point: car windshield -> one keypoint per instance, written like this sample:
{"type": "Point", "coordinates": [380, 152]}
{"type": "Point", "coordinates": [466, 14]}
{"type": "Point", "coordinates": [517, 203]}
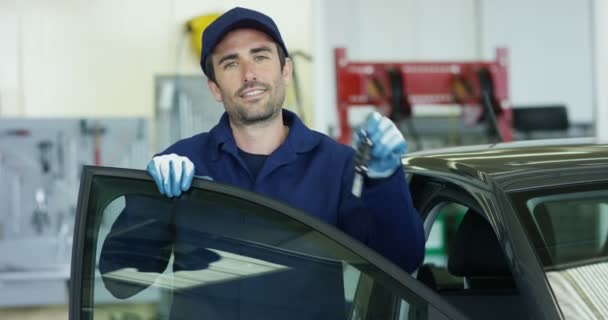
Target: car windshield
{"type": "Point", "coordinates": [568, 227]}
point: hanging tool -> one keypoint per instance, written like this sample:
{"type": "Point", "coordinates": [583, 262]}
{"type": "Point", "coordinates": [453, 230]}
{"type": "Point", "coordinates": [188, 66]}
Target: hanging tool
{"type": "Point", "coordinates": [400, 105]}
{"type": "Point", "coordinates": [95, 132]}
{"type": "Point", "coordinates": [296, 82]}
{"type": "Point", "coordinates": [488, 101]}
{"type": "Point", "coordinates": [401, 108]}
{"type": "Point", "coordinates": [23, 133]}
{"type": "Point", "coordinates": [44, 147]}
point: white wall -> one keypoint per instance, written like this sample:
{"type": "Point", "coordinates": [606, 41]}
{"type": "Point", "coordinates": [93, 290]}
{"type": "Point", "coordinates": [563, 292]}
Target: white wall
{"type": "Point", "coordinates": [550, 46]}
{"type": "Point", "coordinates": [98, 58]}
{"type": "Point", "coordinates": [414, 30]}
{"type": "Point", "coordinates": [396, 30]}
{"type": "Point", "coordinates": [600, 10]}
{"type": "Point", "coordinates": [10, 95]}
{"type": "Point", "coordinates": [549, 43]}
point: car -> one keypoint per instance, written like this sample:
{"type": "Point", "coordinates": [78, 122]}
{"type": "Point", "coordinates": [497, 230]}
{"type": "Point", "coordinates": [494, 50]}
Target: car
{"type": "Point", "coordinates": [291, 265]}
{"type": "Point", "coordinates": [516, 230]}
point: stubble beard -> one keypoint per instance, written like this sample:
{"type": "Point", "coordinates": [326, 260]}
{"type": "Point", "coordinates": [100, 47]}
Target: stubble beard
{"type": "Point", "coordinates": [244, 115]}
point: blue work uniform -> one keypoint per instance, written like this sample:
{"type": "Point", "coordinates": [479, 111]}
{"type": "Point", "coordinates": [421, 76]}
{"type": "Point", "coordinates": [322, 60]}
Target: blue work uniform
{"type": "Point", "coordinates": [314, 173]}
{"type": "Point", "coordinates": [311, 172]}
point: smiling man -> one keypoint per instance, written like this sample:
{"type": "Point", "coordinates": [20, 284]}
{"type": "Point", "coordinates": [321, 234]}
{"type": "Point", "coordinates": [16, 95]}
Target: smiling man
{"type": "Point", "coordinates": [259, 146]}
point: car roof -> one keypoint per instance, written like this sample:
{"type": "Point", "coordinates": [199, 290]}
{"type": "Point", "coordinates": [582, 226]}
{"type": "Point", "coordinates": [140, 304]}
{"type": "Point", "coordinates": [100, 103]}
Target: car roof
{"type": "Point", "coordinates": [506, 162]}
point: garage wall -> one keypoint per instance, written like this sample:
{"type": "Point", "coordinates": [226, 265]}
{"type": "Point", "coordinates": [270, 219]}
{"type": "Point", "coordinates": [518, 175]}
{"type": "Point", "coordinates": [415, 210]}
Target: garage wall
{"type": "Point", "coordinates": [386, 30]}
{"type": "Point", "coordinates": [9, 58]}
{"type": "Point", "coordinates": [600, 20]}
{"type": "Point", "coordinates": [98, 58]}
{"type": "Point", "coordinates": [549, 43]}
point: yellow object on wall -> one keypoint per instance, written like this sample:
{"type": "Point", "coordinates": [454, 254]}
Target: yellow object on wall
{"type": "Point", "coordinates": [196, 26]}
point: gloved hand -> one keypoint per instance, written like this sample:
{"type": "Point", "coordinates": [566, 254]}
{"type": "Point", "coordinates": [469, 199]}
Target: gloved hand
{"type": "Point", "coordinates": [172, 173]}
{"type": "Point", "coordinates": [388, 146]}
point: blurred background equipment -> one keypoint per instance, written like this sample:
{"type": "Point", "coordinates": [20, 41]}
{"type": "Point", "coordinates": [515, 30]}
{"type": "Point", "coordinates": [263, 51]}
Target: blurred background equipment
{"type": "Point", "coordinates": [195, 28]}
{"type": "Point", "coordinates": [549, 121]}
{"type": "Point", "coordinates": [184, 107]}
{"type": "Point", "coordinates": [295, 89]}
{"type": "Point", "coordinates": [40, 165]}
{"type": "Point", "coordinates": [401, 90]}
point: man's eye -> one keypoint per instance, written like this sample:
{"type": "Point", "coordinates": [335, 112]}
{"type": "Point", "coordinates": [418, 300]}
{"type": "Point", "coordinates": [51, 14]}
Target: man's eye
{"type": "Point", "coordinates": [230, 65]}
{"type": "Point", "coordinates": [261, 58]}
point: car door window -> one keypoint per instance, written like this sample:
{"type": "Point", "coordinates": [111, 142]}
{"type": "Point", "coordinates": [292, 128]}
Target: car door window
{"type": "Point", "coordinates": [442, 230]}
{"type": "Point", "coordinates": [218, 252]}
{"type": "Point", "coordinates": [465, 263]}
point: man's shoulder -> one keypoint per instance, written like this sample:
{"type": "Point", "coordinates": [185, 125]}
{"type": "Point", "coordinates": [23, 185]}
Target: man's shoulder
{"type": "Point", "coordinates": [329, 144]}
{"type": "Point", "coordinates": [330, 149]}
{"type": "Point", "coordinates": [186, 146]}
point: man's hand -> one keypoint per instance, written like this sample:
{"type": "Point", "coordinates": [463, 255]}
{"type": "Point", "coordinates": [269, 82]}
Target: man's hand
{"type": "Point", "coordinates": [172, 173]}
{"type": "Point", "coordinates": [388, 146]}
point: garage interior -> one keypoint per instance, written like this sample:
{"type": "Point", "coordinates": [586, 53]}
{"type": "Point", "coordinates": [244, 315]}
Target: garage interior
{"type": "Point", "coordinates": [111, 83]}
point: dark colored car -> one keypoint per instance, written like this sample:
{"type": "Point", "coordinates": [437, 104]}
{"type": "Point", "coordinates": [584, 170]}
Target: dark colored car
{"type": "Point", "coordinates": [516, 230]}
{"type": "Point", "coordinates": [262, 259]}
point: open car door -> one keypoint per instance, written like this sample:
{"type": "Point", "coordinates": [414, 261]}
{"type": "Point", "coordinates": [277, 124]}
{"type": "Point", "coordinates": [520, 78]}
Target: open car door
{"type": "Point", "coordinates": [219, 252]}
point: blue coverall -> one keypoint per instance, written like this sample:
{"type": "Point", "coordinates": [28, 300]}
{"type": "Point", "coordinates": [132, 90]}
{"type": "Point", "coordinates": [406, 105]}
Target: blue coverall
{"type": "Point", "coordinates": [311, 172]}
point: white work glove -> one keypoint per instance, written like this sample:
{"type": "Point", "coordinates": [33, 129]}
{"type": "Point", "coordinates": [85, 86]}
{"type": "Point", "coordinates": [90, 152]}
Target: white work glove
{"type": "Point", "coordinates": [173, 174]}
{"type": "Point", "coordinates": [388, 146]}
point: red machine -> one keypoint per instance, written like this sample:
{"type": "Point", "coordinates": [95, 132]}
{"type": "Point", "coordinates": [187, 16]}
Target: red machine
{"type": "Point", "coordinates": [394, 88]}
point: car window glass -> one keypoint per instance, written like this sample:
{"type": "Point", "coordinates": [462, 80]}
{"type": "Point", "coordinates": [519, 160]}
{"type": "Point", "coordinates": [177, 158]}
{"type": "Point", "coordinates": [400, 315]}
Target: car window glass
{"type": "Point", "coordinates": [568, 227]}
{"type": "Point", "coordinates": [212, 255]}
{"type": "Point", "coordinates": [572, 225]}
{"type": "Point", "coordinates": [438, 245]}
{"type": "Point", "coordinates": [466, 264]}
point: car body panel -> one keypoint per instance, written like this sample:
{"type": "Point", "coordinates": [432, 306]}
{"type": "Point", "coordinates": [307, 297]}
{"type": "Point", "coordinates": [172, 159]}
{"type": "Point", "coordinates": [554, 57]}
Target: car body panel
{"type": "Point", "coordinates": [489, 173]}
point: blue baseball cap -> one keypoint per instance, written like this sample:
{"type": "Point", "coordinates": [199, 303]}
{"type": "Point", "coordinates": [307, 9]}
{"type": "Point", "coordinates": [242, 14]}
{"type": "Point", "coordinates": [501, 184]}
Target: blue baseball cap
{"type": "Point", "coordinates": [237, 18]}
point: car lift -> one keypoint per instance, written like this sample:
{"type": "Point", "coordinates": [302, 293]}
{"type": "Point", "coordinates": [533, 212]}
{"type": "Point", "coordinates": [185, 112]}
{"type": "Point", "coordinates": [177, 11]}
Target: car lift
{"type": "Point", "coordinates": [394, 87]}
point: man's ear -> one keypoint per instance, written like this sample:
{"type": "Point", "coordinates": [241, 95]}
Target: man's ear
{"type": "Point", "coordinates": [287, 71]}
{"type": "Point", "coordinates": [215, 90]}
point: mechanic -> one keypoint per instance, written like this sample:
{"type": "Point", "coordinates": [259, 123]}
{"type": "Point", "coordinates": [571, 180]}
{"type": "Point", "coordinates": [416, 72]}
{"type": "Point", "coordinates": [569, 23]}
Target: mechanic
{"type": "Point", "coordinates": [259, 146]}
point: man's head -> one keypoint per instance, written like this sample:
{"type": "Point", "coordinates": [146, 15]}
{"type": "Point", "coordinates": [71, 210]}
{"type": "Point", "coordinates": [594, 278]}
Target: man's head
{"type": "Point", "coordinates": [247, 65]}
{"type": "Point", "coordinates": [237, 18]}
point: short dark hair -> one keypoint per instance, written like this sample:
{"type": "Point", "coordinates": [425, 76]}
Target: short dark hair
{"type": "Point", "coordinates": [211, 71]}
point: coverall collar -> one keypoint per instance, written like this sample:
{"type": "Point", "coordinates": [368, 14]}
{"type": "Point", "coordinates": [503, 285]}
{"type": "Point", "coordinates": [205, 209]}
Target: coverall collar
{"type": "Point", "coordinates": [300, 139]}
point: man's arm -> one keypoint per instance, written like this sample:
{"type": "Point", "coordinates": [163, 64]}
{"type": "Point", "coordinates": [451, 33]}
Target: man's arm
{"type": "Point", "coordinates": [397, 230]}
{"type": "Point", "coordinates": [384, 218]}
{"type": "Point", "coordinates": [393, 227]}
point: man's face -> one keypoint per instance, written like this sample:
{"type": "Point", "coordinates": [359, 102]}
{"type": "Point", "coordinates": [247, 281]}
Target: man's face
{"type": "Point", "coordinates": [250, 82]}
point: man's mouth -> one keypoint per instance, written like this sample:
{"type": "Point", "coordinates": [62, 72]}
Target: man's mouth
{"type": "Point", "coordinates": [253, 93]}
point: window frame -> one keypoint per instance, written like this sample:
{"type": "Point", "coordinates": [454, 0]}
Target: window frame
{"type": "Point", "coordinates": [434, 189]}
{"type": "Point", "coordinates": [520, 198]}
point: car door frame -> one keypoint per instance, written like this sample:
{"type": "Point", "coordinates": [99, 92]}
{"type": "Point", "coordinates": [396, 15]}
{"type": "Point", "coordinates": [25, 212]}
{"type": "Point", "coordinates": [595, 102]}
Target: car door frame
{"type": "Point", "coordinates": [437, 306]}
{"type": "Point", "coordinates": [526, 267]}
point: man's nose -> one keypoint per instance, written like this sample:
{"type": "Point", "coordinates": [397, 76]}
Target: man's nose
{"type": "Point", "coordinates": [249, 72]}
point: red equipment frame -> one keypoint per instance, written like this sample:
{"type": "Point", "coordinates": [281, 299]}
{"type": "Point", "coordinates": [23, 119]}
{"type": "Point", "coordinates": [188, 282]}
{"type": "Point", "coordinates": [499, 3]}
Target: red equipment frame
{"type": "Point", "coordinates": [423, 83]}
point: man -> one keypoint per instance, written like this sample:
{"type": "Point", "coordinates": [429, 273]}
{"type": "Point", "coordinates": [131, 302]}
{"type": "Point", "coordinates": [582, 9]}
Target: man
{"type": "Point", "coordinates": [259, 146]}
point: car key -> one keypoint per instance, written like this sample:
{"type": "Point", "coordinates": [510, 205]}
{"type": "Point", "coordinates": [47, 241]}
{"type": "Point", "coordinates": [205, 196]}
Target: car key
{"type": "Point", "coordinates": [364, 148]}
